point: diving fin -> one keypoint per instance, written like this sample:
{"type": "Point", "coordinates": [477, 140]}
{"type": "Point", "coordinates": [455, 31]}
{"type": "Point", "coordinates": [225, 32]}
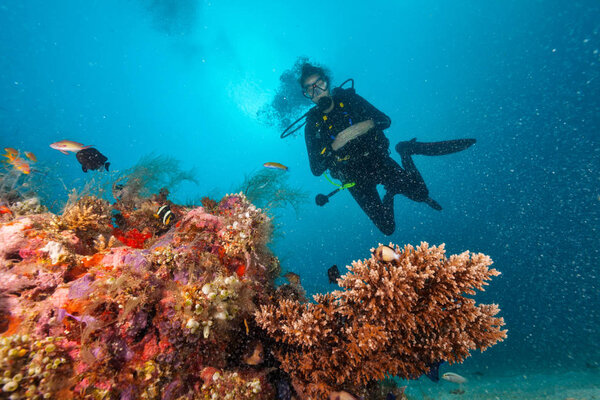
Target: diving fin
{"type": "Point", "coordinates": [434, 148]}
{"type": "Point", "coordinates": [433, 204]}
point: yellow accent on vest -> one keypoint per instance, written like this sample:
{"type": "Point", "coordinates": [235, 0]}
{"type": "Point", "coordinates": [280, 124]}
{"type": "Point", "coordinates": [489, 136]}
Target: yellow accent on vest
{"type": "Point", "coordinates": [341, 105]}
{"type": "Point", "coordinates": [324, 117]}
{"type": "Point", "coordinates": [330, 126]}
{"type": "Point", "coordinates": [324, 150]}
{"type": "Point", "coordinates": [342, 159]}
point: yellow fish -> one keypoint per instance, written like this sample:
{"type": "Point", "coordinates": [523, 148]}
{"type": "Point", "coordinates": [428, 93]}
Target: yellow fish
{"type": "Point", "coordinates": [275, 165]}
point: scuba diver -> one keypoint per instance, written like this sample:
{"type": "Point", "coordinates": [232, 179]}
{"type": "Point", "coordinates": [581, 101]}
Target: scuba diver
{"type": "Point", "coordinates": [344, 134]}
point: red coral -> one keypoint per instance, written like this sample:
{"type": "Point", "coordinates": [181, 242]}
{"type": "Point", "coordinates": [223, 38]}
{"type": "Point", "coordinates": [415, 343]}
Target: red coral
{"type": "Point", "coordinates": [132, 238]}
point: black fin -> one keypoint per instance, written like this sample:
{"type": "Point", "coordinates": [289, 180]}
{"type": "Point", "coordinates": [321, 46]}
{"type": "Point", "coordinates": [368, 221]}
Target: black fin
{"type": "Point", "coordinates": [433, 204]}
{"type": "Point", "coordinates": [106, 165]}
{"type": "Point", "coordinates": [434, 148]}
{"type": "Point", "coordinates": [84, 168]}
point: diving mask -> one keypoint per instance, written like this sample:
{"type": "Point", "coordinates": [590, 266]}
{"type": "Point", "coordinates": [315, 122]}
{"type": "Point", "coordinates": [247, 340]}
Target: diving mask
{"type": "Point", "coordinates": [310, 90]}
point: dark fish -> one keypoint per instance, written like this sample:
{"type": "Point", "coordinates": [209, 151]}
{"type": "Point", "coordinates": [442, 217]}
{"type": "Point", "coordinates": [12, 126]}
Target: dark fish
{"type": "Point", "coordinates": [434, 371]}
{"type": "Point", "coordinates": [92, 159]}
{"type": "Point", "coordinates": [165, 214]}
{"type": "Point", "coordinates": [334, 274]}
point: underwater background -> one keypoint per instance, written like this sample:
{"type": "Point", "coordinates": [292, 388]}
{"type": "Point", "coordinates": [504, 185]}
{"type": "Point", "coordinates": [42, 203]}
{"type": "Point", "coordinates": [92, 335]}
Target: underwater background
{"type": "Point", "coordinates": [188, 79]}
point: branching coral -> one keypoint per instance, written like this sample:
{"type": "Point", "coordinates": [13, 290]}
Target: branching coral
{"type": "Point", "coordinates": [395, 318]}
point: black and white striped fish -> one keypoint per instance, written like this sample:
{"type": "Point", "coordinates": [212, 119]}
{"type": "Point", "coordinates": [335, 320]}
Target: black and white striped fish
{"type": "Point", "coordinates": [165, 214]}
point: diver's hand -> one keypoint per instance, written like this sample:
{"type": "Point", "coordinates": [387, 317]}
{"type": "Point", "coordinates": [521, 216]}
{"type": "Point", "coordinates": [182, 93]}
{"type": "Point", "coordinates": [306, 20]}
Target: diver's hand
{"type": "Point", "coordinates": [352, 132]}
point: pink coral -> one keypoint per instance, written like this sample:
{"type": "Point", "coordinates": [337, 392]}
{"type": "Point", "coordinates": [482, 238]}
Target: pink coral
{"type": "Point", "coordinates": [13, 238]}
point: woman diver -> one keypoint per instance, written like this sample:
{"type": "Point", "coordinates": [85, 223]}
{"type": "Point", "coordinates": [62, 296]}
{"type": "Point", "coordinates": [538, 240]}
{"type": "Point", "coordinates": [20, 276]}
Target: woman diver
{"type": "Point", "coordinates": [344, 134]}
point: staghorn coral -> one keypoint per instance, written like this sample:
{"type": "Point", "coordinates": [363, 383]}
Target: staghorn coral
{"type": "Point", "coordinates": [393, 318]}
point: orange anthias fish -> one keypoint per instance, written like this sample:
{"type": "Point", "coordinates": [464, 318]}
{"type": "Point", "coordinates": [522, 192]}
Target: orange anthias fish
{"type": "Point", "coordinates": [31, 156]}
{"type": "Point", "coordinates": [20, 165]}
{"type": "Point", "coordinates": [5, 210]}
{"type": "Point", "coordinates": [64, 146]}
{"type": "Point", "coordinates": [11, 155]}
{"type": "Point", "coordinates": [275, 165]}
{"type": "Point", "coordinates": [10, 151]}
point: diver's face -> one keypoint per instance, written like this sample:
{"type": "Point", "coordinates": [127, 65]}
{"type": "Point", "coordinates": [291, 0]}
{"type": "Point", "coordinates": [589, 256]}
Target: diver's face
{"type": "Point", "coordinates": [315, 87]}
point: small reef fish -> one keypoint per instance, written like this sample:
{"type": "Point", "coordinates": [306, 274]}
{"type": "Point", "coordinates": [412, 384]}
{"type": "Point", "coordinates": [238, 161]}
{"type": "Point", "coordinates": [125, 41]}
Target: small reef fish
{"type": "Point", "coordinates": [257, 355]}
{"type": "Point", "coordinates": [20, 165]}
{"type": "Point", "coordinates": [334, 274]}
{"type": "Point", "coordinates": [452, 377]}
{"type": "Point", "coordinates": [385, 253]}
{"type": "Point", "coordinates": [31, 156]}
{"type": "Point", "coordinates": [11, 152]}
{"type": "Point", "coordinates": [292, 278]}
{"type": "Point", "coordinates": [165, 214]}
{"type": "Point", "coordinates": [91, 159]}
{"type": "Point", "coordinates": [68, 145]}
{"type": "Point", "coordinates": [275, 165]}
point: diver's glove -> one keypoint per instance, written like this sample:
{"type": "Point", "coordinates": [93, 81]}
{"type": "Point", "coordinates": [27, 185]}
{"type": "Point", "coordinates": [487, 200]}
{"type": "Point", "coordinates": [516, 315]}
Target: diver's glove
{"type": "Point", "coordinates": [327, 157]}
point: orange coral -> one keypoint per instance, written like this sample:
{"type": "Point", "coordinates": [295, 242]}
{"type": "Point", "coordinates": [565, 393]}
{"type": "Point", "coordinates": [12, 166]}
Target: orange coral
{"type": "Point", "coordinates": [393, 318]}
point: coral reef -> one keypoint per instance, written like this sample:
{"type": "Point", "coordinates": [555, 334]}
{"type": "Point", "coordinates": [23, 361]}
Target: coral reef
{"type": "Point", "coordinates": [86, 217]}
{"type": "Point", "coordinates": [110, 301]}
{"type": "Point", "coordinates": [395, 317]}
{"type": "Point", "coordinates": [133, 321]}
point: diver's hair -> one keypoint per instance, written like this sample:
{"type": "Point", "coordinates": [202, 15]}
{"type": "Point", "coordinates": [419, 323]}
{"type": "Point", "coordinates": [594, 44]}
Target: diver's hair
{"type": "Point", "coordinates": [309, 70]}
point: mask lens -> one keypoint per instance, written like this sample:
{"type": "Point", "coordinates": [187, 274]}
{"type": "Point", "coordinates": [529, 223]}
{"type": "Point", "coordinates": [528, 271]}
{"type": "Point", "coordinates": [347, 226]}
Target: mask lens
{"type": "Point", "coordinates": [309, 90]}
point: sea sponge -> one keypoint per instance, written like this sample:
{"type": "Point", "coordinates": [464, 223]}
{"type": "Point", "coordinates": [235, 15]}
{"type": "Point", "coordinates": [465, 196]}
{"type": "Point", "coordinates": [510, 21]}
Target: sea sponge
{"type": "Point", "coordinates": [28, 206]}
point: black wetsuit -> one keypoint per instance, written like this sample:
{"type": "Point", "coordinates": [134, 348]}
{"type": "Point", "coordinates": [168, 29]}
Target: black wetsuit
{"type": "Point", "coordinates": [364, 160]}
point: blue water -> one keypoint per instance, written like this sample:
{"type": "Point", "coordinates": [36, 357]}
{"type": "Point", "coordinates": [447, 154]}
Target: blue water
{"type": "Point", "coordinates": [187, 79]}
